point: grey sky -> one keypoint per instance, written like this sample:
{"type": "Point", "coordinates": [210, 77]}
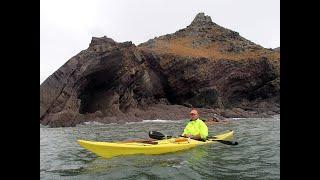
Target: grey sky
{"type": "Point", "coordinates": [67, 26]}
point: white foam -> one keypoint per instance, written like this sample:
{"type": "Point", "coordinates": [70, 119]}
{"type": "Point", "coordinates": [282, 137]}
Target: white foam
{"type": "Point", "coordinates": [161, 121]}
{"type": "Point", "coordinates": [237, 118]}
{"type": "Point", "coordinates": [92, 123]}
{"type": "Point", "coordinates": [43, 126]}
{"type": "Point", "coordinates": [277, 116]}
{"type": "Point", "coordinates": [95, 123]}
{"type": "Point", "coordinates": [155, 121]}
{"type": "Point", "coordinates": [132, 122]}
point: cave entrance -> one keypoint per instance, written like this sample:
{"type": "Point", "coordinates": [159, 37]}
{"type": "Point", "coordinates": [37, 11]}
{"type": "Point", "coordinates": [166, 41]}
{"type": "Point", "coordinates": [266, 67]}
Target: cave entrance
{"type": "Point", "coordinates": [98, 93]}
{"type": "Point", "coordinates": [95, 99]}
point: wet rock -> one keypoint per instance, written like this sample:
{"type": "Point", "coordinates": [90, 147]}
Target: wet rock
{"type": "Point", "coordinates": [63, 119]}
{"type": "Point", "coordinates": [228, 113]}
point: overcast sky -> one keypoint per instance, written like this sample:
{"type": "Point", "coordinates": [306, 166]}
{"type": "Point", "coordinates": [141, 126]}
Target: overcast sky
{"type": "Point", "coordinates": [67, 26]}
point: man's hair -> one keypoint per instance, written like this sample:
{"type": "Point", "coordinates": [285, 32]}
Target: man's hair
{"type": "Point", "coordinates": [194, 111]}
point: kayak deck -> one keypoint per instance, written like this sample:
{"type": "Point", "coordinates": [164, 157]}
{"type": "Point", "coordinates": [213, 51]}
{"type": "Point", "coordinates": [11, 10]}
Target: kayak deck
{"type": "Point", "coordinates": [111, 149]}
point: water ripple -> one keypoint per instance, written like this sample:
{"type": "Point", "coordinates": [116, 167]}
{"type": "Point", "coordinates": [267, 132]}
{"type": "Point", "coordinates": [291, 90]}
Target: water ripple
{"type": "Point", "coordinates": [256, 157]}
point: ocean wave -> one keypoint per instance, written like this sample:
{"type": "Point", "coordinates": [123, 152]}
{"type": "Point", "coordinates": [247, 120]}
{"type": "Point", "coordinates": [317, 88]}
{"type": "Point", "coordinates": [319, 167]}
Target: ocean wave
{"type": "Point", "coordinates": [277, 116]}
{"type": "Point", "coordinates": [155, 121]}
{"type": "Point", "coordinates": [161, 121]}
{"type": "Point", "coordinates": [43, 126]}
{"type": "Point", "coordinates": [237, 118]}
{"type": "Point", "coordinates": [91, 123]}
{"type": "Point", "coordinates": [96, 123]}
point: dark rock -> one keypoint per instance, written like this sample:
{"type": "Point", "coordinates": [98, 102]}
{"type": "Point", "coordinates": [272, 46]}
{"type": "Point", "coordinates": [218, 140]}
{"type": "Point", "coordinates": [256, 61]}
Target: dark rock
{"type": "Point", "coordinates": [231, 114]}
{"type": "Point", "coordinates": [277, 49]}
{"type": "Point", "coordinates": [63, 119]}
{"type": "Point", "coordinates": [113, 82]}
{"type": "Point", "coordinates": [217, 118]}
{"type": "Point", "coordinates": [201, 20]}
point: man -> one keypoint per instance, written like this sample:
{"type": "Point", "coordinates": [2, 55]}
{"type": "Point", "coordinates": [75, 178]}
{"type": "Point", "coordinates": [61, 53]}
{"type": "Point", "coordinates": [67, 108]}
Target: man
{"type": "Point", "coordinates": [196, 128]}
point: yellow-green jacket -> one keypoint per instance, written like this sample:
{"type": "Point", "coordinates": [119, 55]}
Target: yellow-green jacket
{"type": "Point", "coordinates": [196, 127]}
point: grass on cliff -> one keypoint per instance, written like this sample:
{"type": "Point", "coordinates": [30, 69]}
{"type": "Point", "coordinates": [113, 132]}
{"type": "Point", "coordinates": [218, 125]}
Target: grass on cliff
{"type": "Point", "coordinates": [183, 47]}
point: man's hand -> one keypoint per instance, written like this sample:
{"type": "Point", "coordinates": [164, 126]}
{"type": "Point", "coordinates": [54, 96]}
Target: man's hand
{"type": "Point", "coordinates": [188, 136]}
{"type": "Point", "coordinates": [197, 137]}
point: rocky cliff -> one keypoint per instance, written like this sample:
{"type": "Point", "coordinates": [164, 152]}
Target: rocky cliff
{"type": "Point", "coordinates": [203, 65]}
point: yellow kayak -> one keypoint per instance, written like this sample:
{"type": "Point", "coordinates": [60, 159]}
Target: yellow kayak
{"type": "Point", "coordinates": [111, 149]}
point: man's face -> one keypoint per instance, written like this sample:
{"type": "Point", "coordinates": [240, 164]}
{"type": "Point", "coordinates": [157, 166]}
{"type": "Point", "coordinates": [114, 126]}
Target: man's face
{"type": "Point", "coordinates": [193, 115]}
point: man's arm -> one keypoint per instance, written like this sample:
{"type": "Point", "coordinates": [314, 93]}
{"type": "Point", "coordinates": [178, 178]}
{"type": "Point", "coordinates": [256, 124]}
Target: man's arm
{"type": "Point", "coordinates": [203, 131]}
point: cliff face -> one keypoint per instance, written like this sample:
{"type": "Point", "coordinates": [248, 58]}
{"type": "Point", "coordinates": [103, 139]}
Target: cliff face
{"type": "Point", "coordinates": [203, 65]}
{"type": "Point", "coordinates": [208, 65]}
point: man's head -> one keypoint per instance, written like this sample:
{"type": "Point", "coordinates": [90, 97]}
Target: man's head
{"type": "Point", "coordinates": [194, 114]}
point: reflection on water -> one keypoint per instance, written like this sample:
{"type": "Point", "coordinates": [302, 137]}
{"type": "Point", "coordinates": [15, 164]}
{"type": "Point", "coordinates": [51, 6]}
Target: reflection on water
{"type": "Point", "coordinates": [256, 157]}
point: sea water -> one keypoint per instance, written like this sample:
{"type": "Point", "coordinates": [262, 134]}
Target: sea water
{"type": "Point", "coordinates": [256, 157]}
